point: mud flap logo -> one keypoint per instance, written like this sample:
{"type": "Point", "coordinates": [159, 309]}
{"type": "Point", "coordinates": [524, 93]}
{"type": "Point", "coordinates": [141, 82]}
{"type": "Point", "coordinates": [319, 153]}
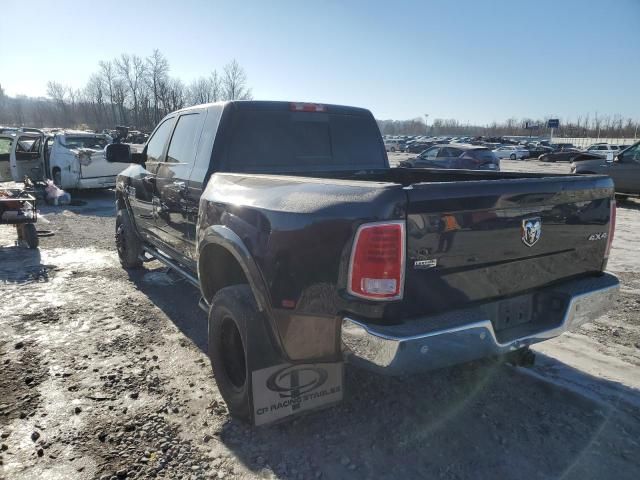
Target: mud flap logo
{"type": "Point", "coordinates": [284, 390]}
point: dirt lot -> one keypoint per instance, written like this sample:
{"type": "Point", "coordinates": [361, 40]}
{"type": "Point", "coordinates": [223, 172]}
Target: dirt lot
{"type": "Point", "coordinates": [104, 375]}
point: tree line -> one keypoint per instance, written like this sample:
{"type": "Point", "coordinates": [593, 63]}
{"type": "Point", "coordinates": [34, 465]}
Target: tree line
{"type": "Point", "coordinates": [137, 92]}
{"type": "Point", "coordinates": [604, 126]}
{"type": "Point", "coordinates": [127, 90]}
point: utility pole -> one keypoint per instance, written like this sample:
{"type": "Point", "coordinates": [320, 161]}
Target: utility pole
{"type": "Point", "coordinates": [426, 123]}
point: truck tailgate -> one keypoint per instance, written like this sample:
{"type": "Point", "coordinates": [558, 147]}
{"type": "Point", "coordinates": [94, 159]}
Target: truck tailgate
{"type": "Point", "coordinates": [478, 240]}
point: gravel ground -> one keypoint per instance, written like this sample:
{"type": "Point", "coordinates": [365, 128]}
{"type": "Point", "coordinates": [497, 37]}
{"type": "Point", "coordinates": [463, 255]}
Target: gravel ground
{"type": "Point", "coordinates": [104, 376]}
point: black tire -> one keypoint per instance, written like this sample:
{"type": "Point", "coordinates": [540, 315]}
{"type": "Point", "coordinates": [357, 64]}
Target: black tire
{"type": "Point", "coordinates": [232, 309]}
{"type": "Point", "coordinates": [393, 149]}
{"type": "Point", "coordinates": [30, 235]}
{"type": "Point", "coordinates": [127, 242]}
{"type": "Point", "coordinates": [512, 156]}
{"type": "Point", "coordinates": [57, 177]}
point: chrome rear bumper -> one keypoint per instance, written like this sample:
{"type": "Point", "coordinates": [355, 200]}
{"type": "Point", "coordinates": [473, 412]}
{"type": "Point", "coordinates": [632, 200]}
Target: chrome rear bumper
{"type": "Point", "coordinates": [464, 335]}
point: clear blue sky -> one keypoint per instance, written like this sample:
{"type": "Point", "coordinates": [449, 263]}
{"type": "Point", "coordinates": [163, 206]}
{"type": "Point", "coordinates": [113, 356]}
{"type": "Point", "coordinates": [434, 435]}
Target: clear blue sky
{"type": "Point", "coordinates": [473, 60]}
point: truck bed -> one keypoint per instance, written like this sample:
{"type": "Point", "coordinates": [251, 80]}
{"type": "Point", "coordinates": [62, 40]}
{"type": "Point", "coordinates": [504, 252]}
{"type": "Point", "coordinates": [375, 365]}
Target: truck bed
{"type": "Point", "coordinates": [464, 231]}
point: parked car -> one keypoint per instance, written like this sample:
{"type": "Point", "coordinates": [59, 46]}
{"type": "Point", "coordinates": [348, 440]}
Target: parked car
{"type": "Point", "coordinates": [624, 169]}
{"type": "Point", "coordinates": [76, 160]}
{"type": "Point", "coordinates": [417, 147]}
{"type": "Point", "coordinates": [72, 159]}
{"type": "Point", "coordinates": [602, 149]}
{"type": "Point", "coordinates": [394, 145]}
{"type": "Point", "coordinates": [455, 156]}
{"type": "Point", "coordinates": [562, 146]}
{"type": "Point", "coordinates": [309, 250]}
{"type": "Point", "coordinates": [512, 152]}
{"type": "Point", "coordinates": [560, 155]}
{"type": "Point", "coordinates": [536, 150]}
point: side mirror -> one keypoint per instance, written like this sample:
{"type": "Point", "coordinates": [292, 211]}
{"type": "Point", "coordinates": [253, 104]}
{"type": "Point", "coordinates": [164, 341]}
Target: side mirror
{"type": "Point", "coordinates": [118, 153]}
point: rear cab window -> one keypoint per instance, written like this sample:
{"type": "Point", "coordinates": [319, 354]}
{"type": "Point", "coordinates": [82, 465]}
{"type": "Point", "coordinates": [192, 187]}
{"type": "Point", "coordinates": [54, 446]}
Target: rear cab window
{"type": "Point", "coordinates": [265, 140]}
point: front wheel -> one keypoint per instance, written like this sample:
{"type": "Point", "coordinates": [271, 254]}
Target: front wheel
{"type": "Point", "coordinates": [393, 149]}
{"type": "Point", "coordinates": [57, 177]}
{"type": "Point", "coordinates": [512, 156]}
{"type": "Point", "coordinates": [127, 242]}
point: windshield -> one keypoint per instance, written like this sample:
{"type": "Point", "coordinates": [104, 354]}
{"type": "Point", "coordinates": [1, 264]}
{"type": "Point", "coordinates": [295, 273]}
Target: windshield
{"type": "Point", "coordinates": [84, 142]}
{"type": "Point", "coordinates": [303, 141]}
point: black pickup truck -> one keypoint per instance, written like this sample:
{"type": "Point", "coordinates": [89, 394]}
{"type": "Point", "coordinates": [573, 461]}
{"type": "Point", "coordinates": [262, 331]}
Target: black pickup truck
{"type": "Point", "coordinates": [310, 250]}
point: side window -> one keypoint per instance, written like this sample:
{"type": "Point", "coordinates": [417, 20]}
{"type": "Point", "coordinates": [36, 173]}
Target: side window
{"type": "Point", "coordinates": [184, 141]}
{"type": "Point", "coordinates": [430, 154]}
{"type": "Point", "coordinates": [156, 144]}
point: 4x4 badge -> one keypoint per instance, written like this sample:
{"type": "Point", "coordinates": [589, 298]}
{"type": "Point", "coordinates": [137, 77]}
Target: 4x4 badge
{"type": "Point", "coordinates": [531, 231]}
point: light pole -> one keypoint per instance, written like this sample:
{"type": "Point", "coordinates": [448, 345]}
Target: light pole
{"type": "Point", "coordinates": [426, 123]}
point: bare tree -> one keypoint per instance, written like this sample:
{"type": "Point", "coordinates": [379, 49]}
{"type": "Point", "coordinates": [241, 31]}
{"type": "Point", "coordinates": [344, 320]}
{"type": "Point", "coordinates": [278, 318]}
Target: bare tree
{"type": "Point", "coordinates": [215, 84]}
{"type": "Point", "coordinates": [131, 69]}
{"type": "Point", "coordinates": [176, 95]}
{"type": "Point", "coordinates": [120, 97]}
{"type": "Point", "coordinates": [199, 91]}
{"type": "Point", "coordinates": [58, 93]}
{"type": "Point", "coordinates": [158, 70]}
{"type": "Point", "coordinates": [95, 96]}
{"type": "Point", "coordinates": [234, 82]}
{"type": "Point", "coordinates": [108, 77]}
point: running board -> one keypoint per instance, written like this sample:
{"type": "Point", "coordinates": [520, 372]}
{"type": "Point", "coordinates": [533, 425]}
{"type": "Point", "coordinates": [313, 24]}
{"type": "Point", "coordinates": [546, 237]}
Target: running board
{"type": "Point", "coordinates": [172, 265]}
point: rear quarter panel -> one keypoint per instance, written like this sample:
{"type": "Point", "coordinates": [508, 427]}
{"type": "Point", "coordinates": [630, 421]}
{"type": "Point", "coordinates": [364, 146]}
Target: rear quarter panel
{"type": "Point", "coordinates": [299, 231]}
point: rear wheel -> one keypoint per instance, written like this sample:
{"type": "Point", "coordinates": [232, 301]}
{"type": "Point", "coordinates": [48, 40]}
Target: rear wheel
{"type": "Point", "coordinates": [232, 308]}
{"type": "Point", "coordinates": [127, 242]}
{"type": "Point", "coordinates": [393, 149]}
{"type": "Point", "coordinates": [512, 156]}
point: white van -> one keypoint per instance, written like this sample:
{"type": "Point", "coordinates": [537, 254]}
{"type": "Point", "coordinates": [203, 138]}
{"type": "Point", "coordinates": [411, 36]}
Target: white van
{"type": "Point", "coordinates": [72, 159]}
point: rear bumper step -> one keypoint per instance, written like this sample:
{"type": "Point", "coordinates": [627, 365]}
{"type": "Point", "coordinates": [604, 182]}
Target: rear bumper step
{"type": "Point", "coordinates": [420, 345]}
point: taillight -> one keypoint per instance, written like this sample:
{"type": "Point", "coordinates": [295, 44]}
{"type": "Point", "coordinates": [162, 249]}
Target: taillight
{"type": "Point", "coordinates": [307, 107]}
{"type": "Point", "coordinates": [612, 227]}
{"type": "Point", "coordinates": [376, 268]}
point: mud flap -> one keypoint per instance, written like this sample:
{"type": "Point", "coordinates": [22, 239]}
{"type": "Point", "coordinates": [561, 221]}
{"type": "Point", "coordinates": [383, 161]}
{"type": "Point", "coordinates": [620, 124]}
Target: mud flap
{"type": "Point", "coordinates": [279, 389]}
{"type": "Point", "coordinates": [284, 390]}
